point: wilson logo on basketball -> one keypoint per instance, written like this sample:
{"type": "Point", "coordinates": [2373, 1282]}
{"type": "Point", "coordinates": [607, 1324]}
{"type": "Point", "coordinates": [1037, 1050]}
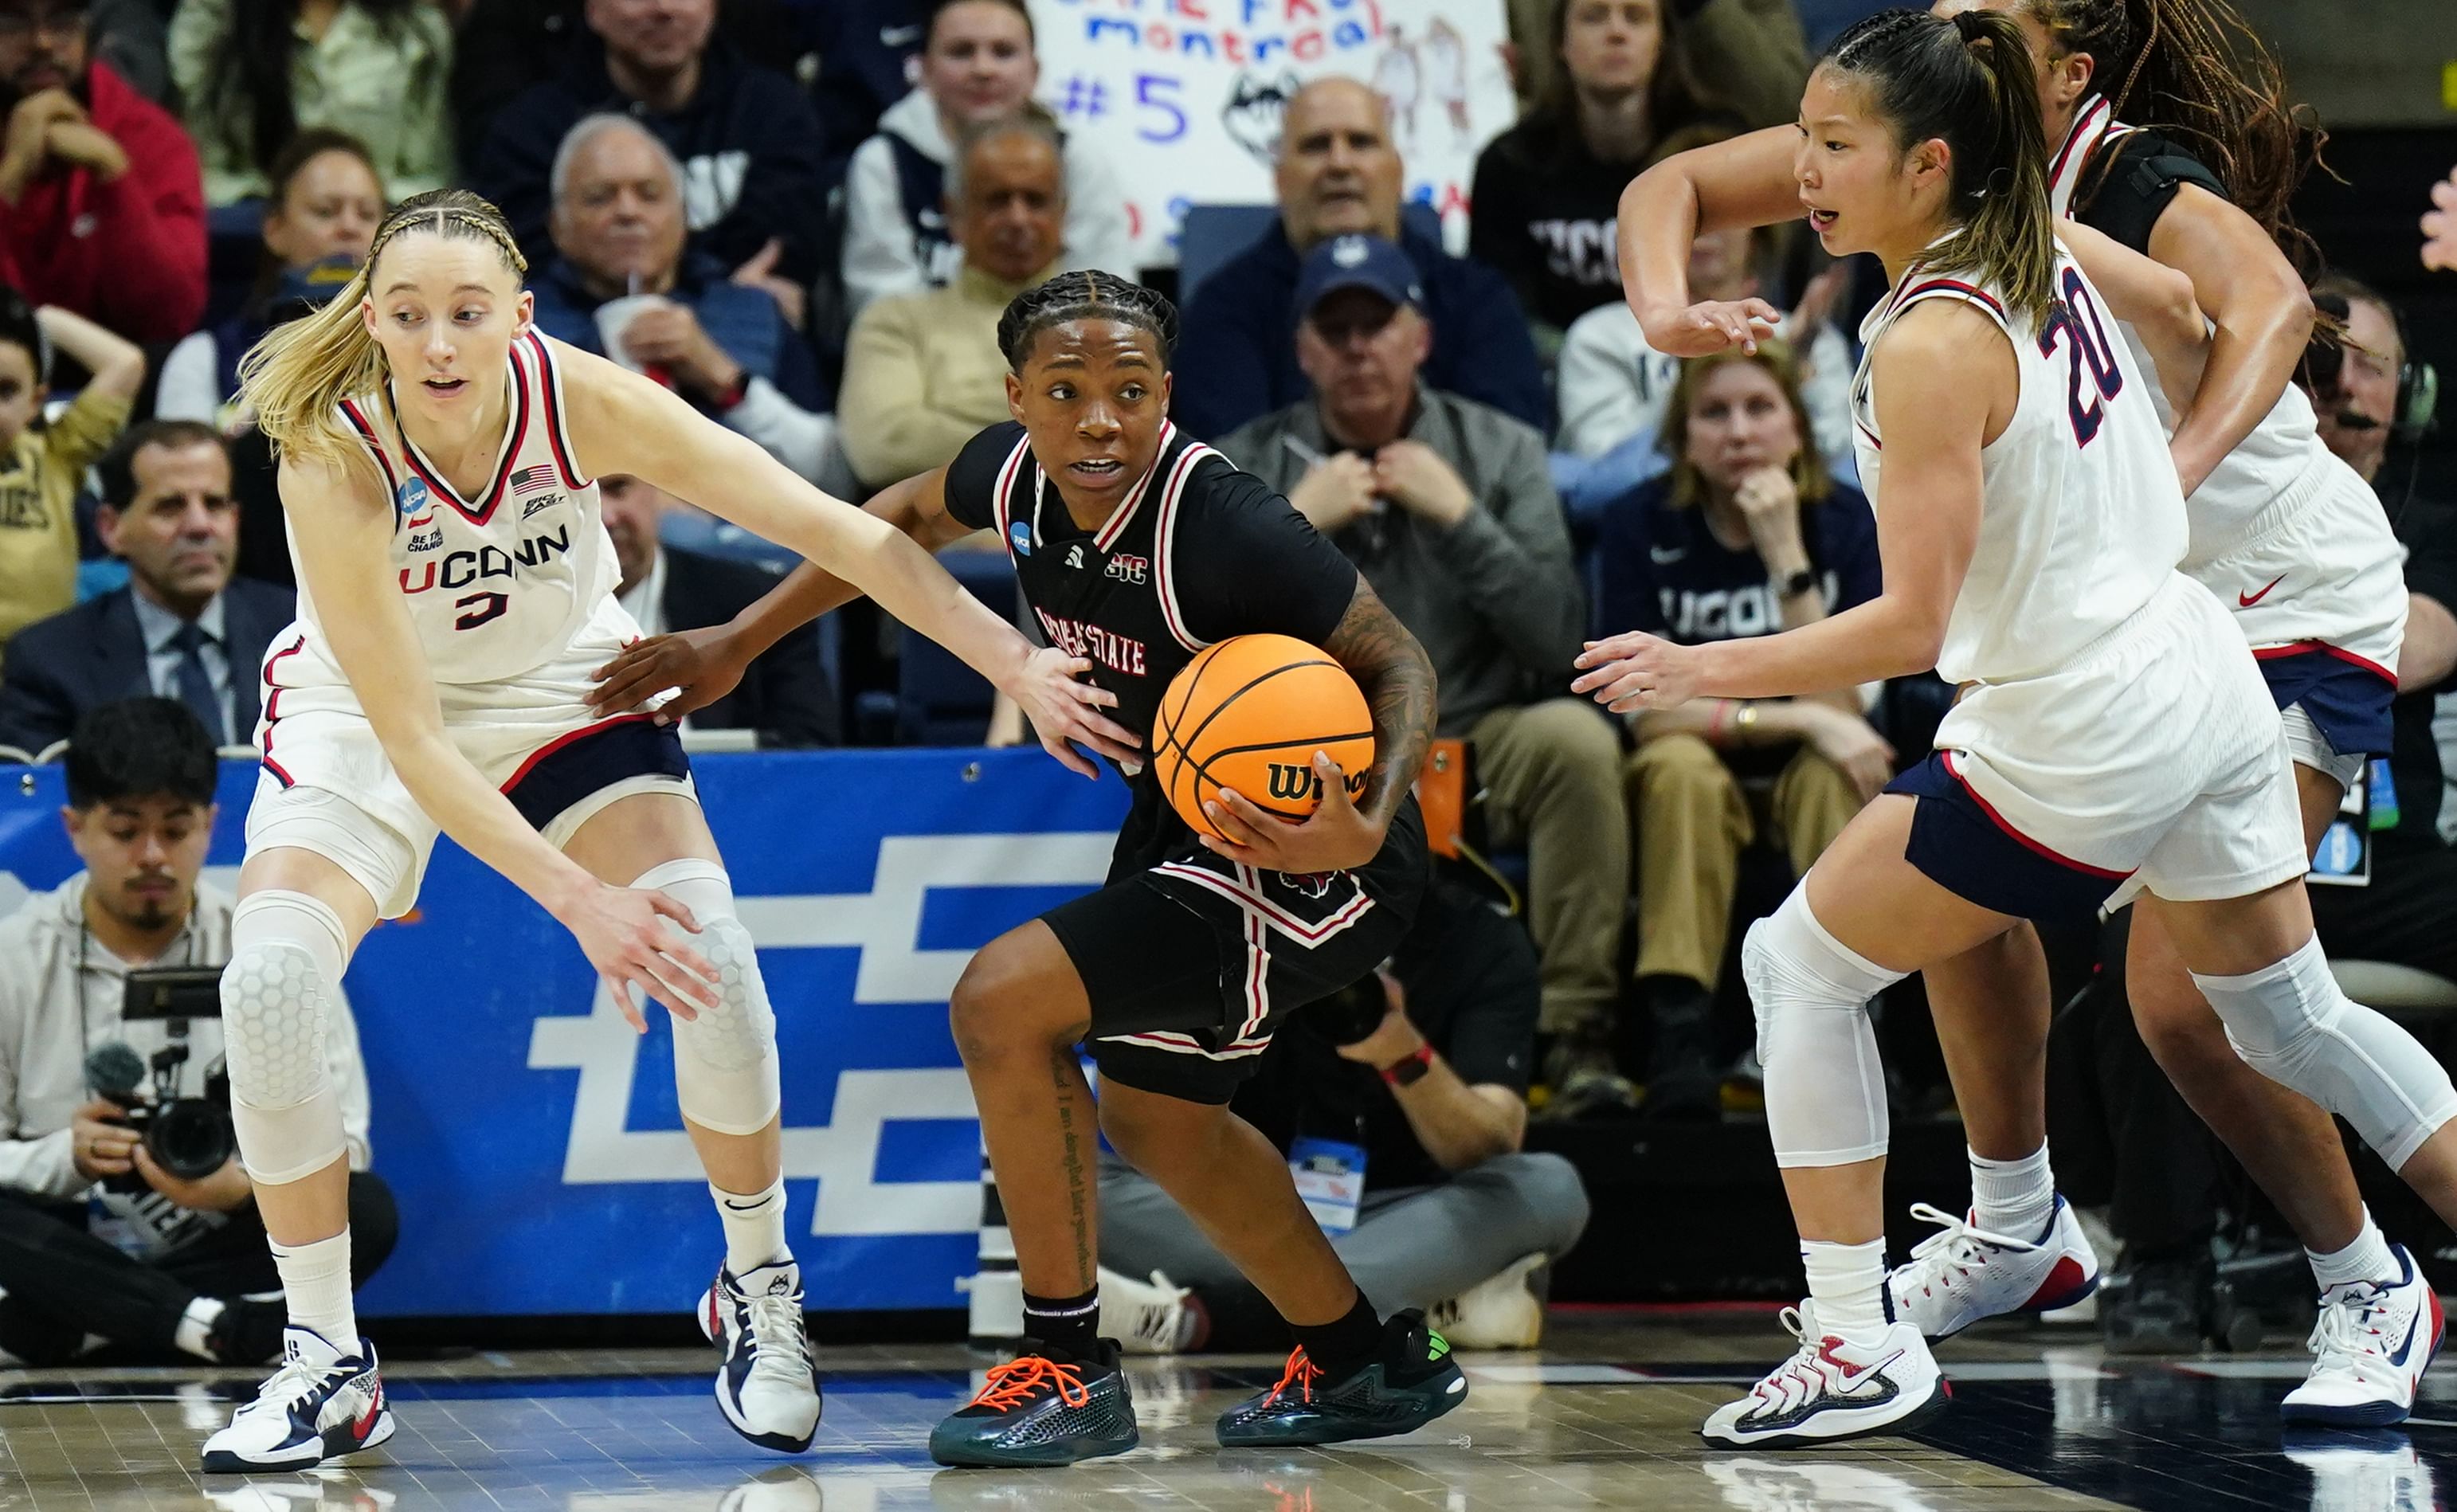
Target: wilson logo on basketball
{"type": "Point", "coordinates": [1299, 780]}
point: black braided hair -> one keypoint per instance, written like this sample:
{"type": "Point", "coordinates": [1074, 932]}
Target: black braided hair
{"type": "Point", "coordinates": [1084, 293]}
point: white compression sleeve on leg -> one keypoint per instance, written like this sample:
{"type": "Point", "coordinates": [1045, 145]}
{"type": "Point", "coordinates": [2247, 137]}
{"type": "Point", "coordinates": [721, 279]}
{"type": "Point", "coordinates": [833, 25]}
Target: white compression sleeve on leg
{"type": "Point", "coordinates": [725, 1061]}
{"type": "Point", "coordinates": [287, 951]}
{"type": "Point", "coordinates": [1825, 1085]}
{"type": "Point", "coordinates": [2291, 1023]}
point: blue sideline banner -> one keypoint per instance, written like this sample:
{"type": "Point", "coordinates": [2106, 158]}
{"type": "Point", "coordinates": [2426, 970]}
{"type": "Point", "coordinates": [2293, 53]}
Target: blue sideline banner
{"type": "Point", "coordinates": [532, 1137]}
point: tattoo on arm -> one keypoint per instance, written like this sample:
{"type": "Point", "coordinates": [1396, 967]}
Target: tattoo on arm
{"type": "Point", "coordinates": [1399, 687]}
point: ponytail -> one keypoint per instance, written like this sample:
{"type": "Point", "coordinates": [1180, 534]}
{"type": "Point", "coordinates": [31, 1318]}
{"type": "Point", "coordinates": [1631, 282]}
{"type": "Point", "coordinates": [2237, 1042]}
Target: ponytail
{"type": "Point", "coordinates": [295, 379]}
{"type": "Point", "coordinates": [1967, 82]}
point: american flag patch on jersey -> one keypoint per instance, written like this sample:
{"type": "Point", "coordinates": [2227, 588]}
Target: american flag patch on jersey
{"type": "Point", "coordinates": [533, 480]}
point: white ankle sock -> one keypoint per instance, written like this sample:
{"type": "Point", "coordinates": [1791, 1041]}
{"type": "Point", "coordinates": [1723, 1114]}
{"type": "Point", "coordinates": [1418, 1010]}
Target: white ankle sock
{"type": "Point", "coordinates": [754, 1226]}
{"type": "Point", "coordinates": [196, 1326]}
{"type": "Point", "coordinates": [315, 1285]}
{"type": "Point", "coordinates": [2013, 1197]}
{"type": "Point", "coordinates": [1848, 1283]}
{"type": "Point", "coordinates": [2368, 1259]}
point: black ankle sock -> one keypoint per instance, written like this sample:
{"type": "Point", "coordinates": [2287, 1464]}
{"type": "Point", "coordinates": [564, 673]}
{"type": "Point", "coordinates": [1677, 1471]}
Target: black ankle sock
{"type": "Point", "coordinates": [1071, 1323]}
{"type": "Point", "coordinates": [1346, 1345]}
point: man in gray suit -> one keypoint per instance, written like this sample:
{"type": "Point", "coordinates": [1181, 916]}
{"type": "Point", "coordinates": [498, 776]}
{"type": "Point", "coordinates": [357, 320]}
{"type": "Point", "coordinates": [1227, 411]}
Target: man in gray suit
{"type": "Point", "coordinates": [184, 628]}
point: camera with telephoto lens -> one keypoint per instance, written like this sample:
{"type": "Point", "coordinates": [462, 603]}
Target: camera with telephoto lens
{"type": "Point", "coordinates": [189, 1137]}
{"type": "Point", "coordinates": [1353, 1012]}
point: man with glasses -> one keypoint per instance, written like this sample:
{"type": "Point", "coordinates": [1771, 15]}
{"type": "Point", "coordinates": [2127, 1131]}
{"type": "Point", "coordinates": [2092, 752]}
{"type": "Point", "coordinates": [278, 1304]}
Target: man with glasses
{"type": "Point", "coordinates": [102, 208]}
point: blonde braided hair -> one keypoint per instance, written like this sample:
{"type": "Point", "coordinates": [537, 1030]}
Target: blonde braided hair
{"type": "Point", "coordinates": [297, 375]}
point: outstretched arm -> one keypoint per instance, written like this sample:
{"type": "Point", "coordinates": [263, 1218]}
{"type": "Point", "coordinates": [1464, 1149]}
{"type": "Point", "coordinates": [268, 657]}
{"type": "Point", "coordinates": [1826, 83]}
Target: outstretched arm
{"type": "Point", "coordinates": [623, 422]}
{"type": "Point", "coordinates": [340, 528]}
{"type": "Point", "coordinates": [1945, 378]}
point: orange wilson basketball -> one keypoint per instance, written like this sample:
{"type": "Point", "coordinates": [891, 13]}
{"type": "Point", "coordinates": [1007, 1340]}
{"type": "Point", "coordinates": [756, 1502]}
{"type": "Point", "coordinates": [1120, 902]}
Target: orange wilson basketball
{"type": "Point", "coordinates": [1249, 713]}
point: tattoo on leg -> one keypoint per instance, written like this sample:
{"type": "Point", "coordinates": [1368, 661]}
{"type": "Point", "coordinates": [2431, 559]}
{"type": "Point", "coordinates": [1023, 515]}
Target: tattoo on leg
{"type": "Point", "coordinates": [1078, 1189]}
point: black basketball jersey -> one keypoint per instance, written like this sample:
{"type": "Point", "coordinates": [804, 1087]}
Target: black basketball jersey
{"type": "Point", "coordinates": [1199, 551]}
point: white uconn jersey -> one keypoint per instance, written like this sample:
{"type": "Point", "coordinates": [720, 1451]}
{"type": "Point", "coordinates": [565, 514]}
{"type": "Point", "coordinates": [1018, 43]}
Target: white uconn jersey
{"type": "Point", "coordinates": [2081, 523]}
{"type": "Point", "coordinates": [502, 584]}
{"type": "Point", "coordinates": [2282, 451]}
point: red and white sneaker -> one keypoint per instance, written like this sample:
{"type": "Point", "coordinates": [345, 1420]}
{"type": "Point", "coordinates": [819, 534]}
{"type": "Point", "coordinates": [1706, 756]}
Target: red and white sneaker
{"type": "Point", "coordinates": [2370, 1348]}
{"type": "Point", "coordinates": [1834, 1388]}
{"type": "Point", "coordinates": [1963, 1274]}
{"type": "Point", "coordinates": [320, 1405]}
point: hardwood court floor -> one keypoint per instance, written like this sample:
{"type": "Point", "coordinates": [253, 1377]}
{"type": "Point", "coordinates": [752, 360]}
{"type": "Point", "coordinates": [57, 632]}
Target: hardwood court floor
{"type": "Point", "coordinates": [1604, 1417]}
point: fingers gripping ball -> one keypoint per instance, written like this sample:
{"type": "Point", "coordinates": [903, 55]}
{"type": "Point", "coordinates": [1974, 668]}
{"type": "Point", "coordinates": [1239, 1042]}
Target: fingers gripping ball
{"type": "Point", "coordinates": [1249, 713]}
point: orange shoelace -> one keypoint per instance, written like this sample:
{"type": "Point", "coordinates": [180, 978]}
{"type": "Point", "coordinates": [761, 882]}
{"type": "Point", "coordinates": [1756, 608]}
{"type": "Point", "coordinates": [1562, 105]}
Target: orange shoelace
{"type": "Point", "coordinates": [1302, 1373]}
{"type": "Point", "coordinates": [1013, 1383]}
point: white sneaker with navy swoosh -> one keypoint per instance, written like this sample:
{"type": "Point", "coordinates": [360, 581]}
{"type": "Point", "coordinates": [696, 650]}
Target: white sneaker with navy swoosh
{"type": "Point", "coordinates": [769, 1386]}
{"type": "Point", "coordinates": [2370, 1348]}
{"type": "Point", "coordinates": [320, 1405]}
{"type": "Point", "coordinates": [1834, 1388]}
{"type": "Point", "coordinates": [1962, 1273]}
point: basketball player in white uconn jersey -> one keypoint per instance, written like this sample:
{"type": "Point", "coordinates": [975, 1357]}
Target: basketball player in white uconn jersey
{"type": "Point", "coordinates": [456, 591]}
{"type": "Point", "coordinates": [2114, 730]}
{"type": "Point", "coordinates": [2297, 548]}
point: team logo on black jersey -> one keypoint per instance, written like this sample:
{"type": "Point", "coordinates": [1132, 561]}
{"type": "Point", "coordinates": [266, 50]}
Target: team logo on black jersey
{"type": "Point", "coordinates": [1019, 535]}
{"type": "Point", "coordinates": [1128, 568]}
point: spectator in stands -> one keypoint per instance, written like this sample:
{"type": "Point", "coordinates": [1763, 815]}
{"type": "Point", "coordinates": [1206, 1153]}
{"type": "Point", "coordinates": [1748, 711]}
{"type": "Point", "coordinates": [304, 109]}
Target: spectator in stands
{"type": "Point", "coordinates": [1750, 57]}
{"type": "Point", "coordinates": [2403, 916]}
{"type": "Point", "coordinates": [923, 373]}
{"type": "Point", "coordinates": [625, 284]}
{"type": "Point", "coordinates": [976, 66]}
{"type": "Point", "coordinates": [1421, 1072]}
{"type": "Point", "coordinates": [752, 198]}
{"type": "Point", "coordinates": [95, 180]}
{"type": "Point", "coordinates": [183, 628]}
{"type": "Point", "coordinates": [784, 695]}
{"type": "Point", "coordinates": [868, 51]}
{"type": "Point", "coordinates": [506, 47]}
{"type": "Point", "coordinates": [327, 199]}
{"type": "Point", "coordinates": [95, 1236]}
{"type": "Point", "coordinates": [1444, 506]}
{"type": "Point", "coordinates": [256, 72]}
{"type": "Point", "coordinates": [1613, 386]}
{"type": "Point", "coordinates": [2439, 226]}
{"type": "Point", "coordinates": [41, 466]}
{"type": "Point", "coordinates": [1548, 189]}
{"type": "Point", "coordinates": [1746, 535]}
{"type": "Point", "coordinates": [1339, 175]}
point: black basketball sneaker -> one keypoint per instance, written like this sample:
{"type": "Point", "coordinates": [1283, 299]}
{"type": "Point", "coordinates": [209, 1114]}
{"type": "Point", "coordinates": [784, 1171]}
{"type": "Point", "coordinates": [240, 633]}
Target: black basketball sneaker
{"type": "Point", "coordinates": [1045, 1407]}
{"type": "Point", "coordinates": [1411, 1382]}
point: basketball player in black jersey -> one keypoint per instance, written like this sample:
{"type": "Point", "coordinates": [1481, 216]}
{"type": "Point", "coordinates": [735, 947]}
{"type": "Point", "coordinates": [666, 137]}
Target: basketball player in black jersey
{"type": "Point", "coordinates": [1136, 546]}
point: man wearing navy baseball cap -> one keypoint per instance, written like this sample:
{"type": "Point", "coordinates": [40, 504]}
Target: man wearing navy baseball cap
{"type": "Point", "coordinates": [1447, 506]}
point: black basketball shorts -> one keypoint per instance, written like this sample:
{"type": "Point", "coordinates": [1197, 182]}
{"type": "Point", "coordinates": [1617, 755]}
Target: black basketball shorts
{"type": "Point", "coordinates": [1191, 962]}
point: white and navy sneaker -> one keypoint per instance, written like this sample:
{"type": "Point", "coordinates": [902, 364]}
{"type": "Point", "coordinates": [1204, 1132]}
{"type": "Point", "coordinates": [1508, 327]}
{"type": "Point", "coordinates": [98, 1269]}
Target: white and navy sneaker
{"type": "Point", "coordinates": [767, 1387]}
{"type": "Point", "coordinates": [320, 1405]}
{"type": "Point", "coordinates": [1962, 1273]}
{"type": "Point", "coordinates": [2370, 1348]}
{"type": "Point", "coordinates": [1834, 1388]}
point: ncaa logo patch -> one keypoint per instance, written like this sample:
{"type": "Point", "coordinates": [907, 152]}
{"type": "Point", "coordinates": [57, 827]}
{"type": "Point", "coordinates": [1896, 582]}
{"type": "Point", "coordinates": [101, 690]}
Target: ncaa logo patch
{"type": "Point", "coordinates": [412, 499]}
{"type": "Point", "coordinates": [1019, 535]}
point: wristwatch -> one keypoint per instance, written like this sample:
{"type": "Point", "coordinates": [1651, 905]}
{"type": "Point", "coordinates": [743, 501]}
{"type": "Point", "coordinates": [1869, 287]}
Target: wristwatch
{"type": "Point", "coordinates": [1797, 583]}
{"type": "Point", "coordinates": [1409, 1068]}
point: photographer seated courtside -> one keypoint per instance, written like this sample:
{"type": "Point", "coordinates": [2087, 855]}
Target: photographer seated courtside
{"type": "Point", "coordinates": [125, 1213]}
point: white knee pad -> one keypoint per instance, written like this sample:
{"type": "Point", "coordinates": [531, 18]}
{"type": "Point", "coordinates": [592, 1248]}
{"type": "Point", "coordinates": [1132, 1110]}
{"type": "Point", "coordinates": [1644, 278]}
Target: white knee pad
{"type": "Point", "coordinates": [725, 1061]}
{"type": "Point", "coordinates": [287, 951]}
{"type": "Point", "coordinates": [1825, 1087]}
{"type": "Point", "coordinates": [2290, 1023]}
